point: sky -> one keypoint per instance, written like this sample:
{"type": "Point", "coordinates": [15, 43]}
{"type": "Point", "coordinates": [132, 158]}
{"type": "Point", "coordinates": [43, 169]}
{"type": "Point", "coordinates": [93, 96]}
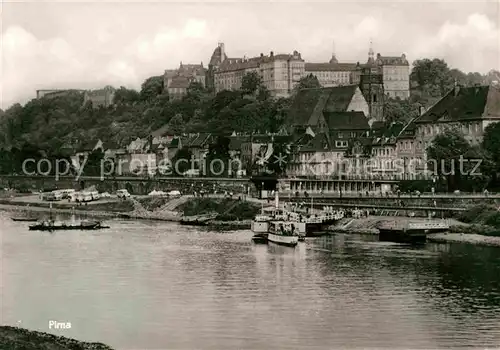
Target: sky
{"type": "Point", "coordinates": [87, 45]}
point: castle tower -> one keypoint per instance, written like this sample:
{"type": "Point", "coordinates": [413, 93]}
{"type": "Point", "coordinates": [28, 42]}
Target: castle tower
{"type": "Point", "coordinates": [218, 56]}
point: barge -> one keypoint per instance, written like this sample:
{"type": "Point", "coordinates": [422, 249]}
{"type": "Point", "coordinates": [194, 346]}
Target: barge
{"type": "Point", "coordinates": [409, 232]}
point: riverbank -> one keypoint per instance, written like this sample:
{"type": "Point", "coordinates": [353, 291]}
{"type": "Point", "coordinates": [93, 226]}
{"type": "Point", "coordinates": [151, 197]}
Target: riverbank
{"type": "Point", "coordinates": [233, 214]}
{"type": "Point", "coordinates": [12, 338]}
{"type": "Point", "coordinates": [459, 232]}
{"type": "Point", "coordinates": [464, 238]}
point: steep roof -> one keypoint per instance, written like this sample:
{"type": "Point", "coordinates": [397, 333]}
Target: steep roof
{"type": "Point", "coordinates": [392, 60]}
{"type": "Point", "coordinates": [330, 67]}
{"type": "Point", "coordinates": [234, 64]}
{"type": "Point", "coordinates": [191, 69]}
{"type": "Point", "coordinates": [200, 140]}
{"type": "Point", "coordinates": [309, 103]}
{"type": "Point", "coordinates": [217, 56]}
{"type": "Point", "coordinates": [465, 103]}
{"type": "Point", "coordinates": [346, 121]}
{"type": "Point", "coordinates": [319, 143]}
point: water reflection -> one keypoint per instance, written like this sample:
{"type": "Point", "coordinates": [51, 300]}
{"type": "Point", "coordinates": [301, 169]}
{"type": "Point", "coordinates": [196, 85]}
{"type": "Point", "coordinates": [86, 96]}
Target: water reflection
{"type": "Point", "coordinates": [150, 285]}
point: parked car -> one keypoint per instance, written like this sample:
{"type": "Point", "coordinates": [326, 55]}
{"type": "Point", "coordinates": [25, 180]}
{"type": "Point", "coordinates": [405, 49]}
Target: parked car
{"type": "Point", "coordinates": [95, 195]}
{"type": "Point", "coordinates": [66, 193]}
{"type": "Point", "coordinates": [122, 194]}
{"type": "Point", "coordinates": [52, 196]}
{"type": "Point", "coordinates": [105, 195]}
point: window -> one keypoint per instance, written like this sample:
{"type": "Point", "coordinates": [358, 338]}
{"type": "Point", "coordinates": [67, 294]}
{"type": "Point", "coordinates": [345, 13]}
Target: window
{"type": "Point", "coordinates": [340, 144]}
{"type": "Point", "coordinates": [340, 135]}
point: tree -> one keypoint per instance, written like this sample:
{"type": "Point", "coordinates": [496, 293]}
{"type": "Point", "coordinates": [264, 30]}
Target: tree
{"type": "Point", "coordinates": [217, 161]}
{"type": "Point", "coordinates": [491, 142]}
{"type": "Point", "coordinates": [126, 96]}
{"type": "Point", "coordinates": [152, 88]}
{"type": "Point", "coordinates": [92, 167]}
{"type": "Point", "coordinates": [491, 145]}
{"type": "Point", "coordinates": [251, 83]}
{"type": "Point", "coordinates": [308, 82]}
{"type": "Point", "coordinates": [397, 110]}
{"type": "Point", "coordinates": [280, 158]}
{"type": "Point", "coordinates": [433, 76]}
{"type": "Point", "coordinates": [176, 124]}
{"type": "Point", "coordinates": [451, 157]}
{"type": "Point", "coordinates": [182, 161]}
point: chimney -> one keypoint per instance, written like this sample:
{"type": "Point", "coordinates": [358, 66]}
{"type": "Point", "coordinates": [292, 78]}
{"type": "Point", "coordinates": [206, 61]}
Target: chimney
{"type": "Point", "coordinates": [421, 110]}
{"type": "Point", "coordinates": [456, 89]}
{"type": "Point", "coordinates": [271, 54]}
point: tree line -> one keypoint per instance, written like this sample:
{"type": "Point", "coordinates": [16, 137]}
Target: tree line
{"type": "Point", "coordinates": [45, 125]}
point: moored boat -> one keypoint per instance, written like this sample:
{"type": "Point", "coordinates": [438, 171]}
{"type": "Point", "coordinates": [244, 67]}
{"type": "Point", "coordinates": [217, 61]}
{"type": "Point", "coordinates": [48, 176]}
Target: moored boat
{"type": "Point", "coordinates": [54, 226]}
{"type": "Point", "coordinates": [409, 232]}
{"type": "Point", "coordinates": [283, 232]}
{"type": "Point", "coordinates": [260, 238]}
{"type": "Point", "coordinates": [260, 224]}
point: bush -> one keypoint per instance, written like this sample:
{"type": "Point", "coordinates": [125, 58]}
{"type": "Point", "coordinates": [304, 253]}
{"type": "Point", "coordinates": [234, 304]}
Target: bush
{"type": "Point", "coordinates": [476, 214]}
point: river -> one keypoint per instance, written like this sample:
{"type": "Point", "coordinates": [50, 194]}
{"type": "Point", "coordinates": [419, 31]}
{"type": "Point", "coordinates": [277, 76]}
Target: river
{"type": "Point", "coordinates": [155, 285]}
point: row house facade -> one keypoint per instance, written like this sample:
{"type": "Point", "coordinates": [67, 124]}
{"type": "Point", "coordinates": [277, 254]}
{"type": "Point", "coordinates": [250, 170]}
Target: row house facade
{"type": "Point", "coordinates": [468, 109]}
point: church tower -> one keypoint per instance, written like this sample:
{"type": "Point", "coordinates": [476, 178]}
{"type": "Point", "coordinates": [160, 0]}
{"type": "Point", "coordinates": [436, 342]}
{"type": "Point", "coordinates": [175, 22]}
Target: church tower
{"type": "Point", "coordinates": [372, 86]}
{"type": "Point", "coordinates": [333, 60]}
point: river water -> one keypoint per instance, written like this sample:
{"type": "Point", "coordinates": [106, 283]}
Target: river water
{"type": "Point", "coordinates": [154, 285]}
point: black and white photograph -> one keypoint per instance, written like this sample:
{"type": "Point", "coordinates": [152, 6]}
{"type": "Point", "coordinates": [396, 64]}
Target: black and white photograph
{"type": "Point", "coordinates": [249, 175]}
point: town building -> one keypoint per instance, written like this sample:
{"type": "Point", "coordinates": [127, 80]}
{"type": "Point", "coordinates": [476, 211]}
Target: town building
{"type": "Point", "coordinates": [229, 74]}
{"type": "Point", "coordinates": [469, 109]}
{"type": "Point", "coordinates": [279, 73]}
{"type": "Point", "coordinates": [317, 108]}
{"type": "Point", "coordinates": [176, 81]}
{"type": "Point", "coordinates": [331, 73]}
{"type": "Point", "coordinates": [100, 98]}
{"type": "Point", "coordinates": [410, 153]}
{"type": "Point", "coordinates": [396, 75]}
{"type": "Point", "coordinates": [178, 87]}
